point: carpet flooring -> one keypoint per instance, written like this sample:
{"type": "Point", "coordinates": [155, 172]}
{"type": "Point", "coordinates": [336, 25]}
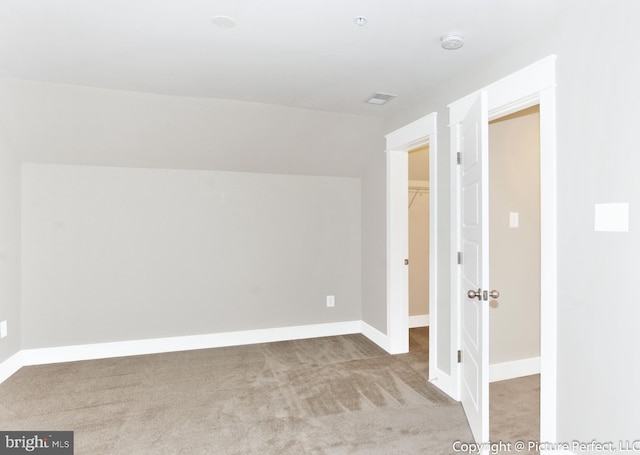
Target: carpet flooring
{"type": "Point", "coordinates": [334, 395]}
{"type": "Point", "coordinates": [514, 410]}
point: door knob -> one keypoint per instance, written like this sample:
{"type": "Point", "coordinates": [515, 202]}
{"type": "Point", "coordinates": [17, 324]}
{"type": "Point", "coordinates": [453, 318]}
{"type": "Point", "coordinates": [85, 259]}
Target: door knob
{"type": "Point", "coordinates": [494, 294]}
{"type": "Point", "coordinates": [474, 294]}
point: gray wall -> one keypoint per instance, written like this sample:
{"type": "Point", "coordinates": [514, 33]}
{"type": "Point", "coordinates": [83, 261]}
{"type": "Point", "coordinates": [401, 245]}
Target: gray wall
{"type": "Point", "coordinates": [598, 93]}
{"type": "Point", "coordinates": [9, 245]}
{"type": "Point", "coordinates": [113, 254]}
{"type": "Point", "coordinates": [53, 123]}
{"type": "Point", "coordinates": [374, 238]}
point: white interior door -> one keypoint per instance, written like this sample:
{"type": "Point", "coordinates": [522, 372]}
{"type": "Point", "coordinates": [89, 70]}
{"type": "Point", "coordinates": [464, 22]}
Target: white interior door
{"type": "Point", "coordinates": [474, 273]}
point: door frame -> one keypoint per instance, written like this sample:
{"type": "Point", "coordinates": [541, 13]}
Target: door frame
{"type": "Point", "coordinates": [532, 85]}
{"type": "Point", "coordinates": [416, 134]}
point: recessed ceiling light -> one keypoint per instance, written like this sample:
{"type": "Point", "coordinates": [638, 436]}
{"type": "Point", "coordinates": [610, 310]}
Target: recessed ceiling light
{"type": "Point", "coordinates": [451, 42]}
{"type": "Point", "coordinates": [381, 98]}
{"type": "Point", "coordinates": [223, 21]}
{"type": "Point", "coordinates": [360, 21]}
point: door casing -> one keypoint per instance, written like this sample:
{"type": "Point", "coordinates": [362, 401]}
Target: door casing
{"type": "Point", "coordinates": [532, 85]}
{"type": "Point", "coordinates": [416, 134]}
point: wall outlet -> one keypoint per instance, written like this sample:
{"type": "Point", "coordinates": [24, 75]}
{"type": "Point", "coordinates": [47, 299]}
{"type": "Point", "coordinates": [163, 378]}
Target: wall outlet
{"type": "Point", "coordinates": [3, 329]}
{"type": "Point", "coordinates": [331, 301]}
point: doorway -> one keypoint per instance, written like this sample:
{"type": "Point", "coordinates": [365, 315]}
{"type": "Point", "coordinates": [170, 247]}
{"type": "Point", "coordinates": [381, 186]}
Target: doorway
{"type": "Point", "coordinates": [418, 237]}
{"type": "Point", "coordinates": [420, 133]}
{"type": "Point", "coordinates": [514, 261]}
{"type": "Point", "coordinates": [532, 85]}
{"type": "Point", "coordinates": [468, 118]}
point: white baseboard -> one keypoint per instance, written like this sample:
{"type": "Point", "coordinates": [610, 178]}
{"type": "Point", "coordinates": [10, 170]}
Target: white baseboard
{"type": "Point", "coordinates": [10, 366]}
{"type": "Point", "coordinates": [442, 381]}
{"type": "Point", "coordinates": [375, 335]}
{"type": "Point", "coordinates": [421, 320]}
{"type": "Point", "coordinates": [514, 369]}
{"type": "Point", "coordinates": [184, 343]}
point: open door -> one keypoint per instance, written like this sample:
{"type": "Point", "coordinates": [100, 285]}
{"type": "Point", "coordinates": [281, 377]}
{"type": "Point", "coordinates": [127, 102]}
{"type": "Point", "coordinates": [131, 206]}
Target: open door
{"type": "Point", "coordinates": [474, 269]}
{"type": "Point", "coordinates": [468, 121]}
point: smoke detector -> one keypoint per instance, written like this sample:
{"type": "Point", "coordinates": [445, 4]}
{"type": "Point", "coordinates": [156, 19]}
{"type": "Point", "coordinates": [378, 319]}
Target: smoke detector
{"type": "Point", "coordinates": [451, 42]}
{"type": "Point", "coordinates": [360, 21]}
{"type": "Point", "coordinates": [223, 21]}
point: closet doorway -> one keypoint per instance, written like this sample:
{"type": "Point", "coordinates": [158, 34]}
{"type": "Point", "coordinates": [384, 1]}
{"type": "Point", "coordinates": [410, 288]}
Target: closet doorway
{"type": "Point", "coordinates": [418, 207]}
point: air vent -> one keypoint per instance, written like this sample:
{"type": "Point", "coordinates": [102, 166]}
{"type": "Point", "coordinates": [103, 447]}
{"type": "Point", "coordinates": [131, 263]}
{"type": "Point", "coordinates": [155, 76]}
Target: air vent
{"type": "Point", "coordinates": [381, 98]}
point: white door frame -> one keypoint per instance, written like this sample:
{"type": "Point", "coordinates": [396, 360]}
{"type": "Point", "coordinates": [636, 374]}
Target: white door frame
{"type": "Point", "coordinates": [399, 143]}
{"type": "Point", "coordinates": [532, 85]}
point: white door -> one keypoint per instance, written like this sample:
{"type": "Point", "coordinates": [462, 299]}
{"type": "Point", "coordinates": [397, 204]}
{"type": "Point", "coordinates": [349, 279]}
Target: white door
{"type": "Point", "coordinates": [474, 273]}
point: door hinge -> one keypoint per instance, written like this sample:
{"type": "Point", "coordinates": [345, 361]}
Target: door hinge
{"type": "Point", "coordinates": [406, 262]}
{"type": "Point", "coordinates": [459, 257]}
{"type": "Point", "coordinates": [459, 356]}
{"type": "Point", "coordinates": [459, 158]}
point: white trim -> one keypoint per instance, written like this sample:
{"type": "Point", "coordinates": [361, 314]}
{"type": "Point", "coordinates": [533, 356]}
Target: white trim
{"type": "Point", "coordinates": [413, 135]}
{"type": "Point", "coordinates": [375, 335]}
{"type": "Point", "coordinates": [514, 369]}
{"type": "Point", "coordinates": [454, 283]}
{"type": "Point", "coordinates": [185, 343]}
{"type": "Point", "coordinates": [549, 267]}
{"type": "Point", "coordinates": [531, 85]}
{"type": "Point", "coordinates": [397, 251]}
{"type": "Point", "coordinates": [420, 320]}
{"type": "Point", "coordinates": [418, 133]}
{"type": "Point", "coordinates": [172, 344]}
{"type": "Point", "coordinates": [512, 93]}
{"type": "Point", "coordinates": [10, 366]}
{"type": "Point", "coordinates": [441, 380]}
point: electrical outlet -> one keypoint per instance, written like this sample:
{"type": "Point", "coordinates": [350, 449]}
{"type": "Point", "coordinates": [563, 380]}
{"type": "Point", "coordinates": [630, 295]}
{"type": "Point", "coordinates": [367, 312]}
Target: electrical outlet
{"type": "Point", "coordinates": [331, 301]}
{"type": "Point", "coordinates": [3, 329]}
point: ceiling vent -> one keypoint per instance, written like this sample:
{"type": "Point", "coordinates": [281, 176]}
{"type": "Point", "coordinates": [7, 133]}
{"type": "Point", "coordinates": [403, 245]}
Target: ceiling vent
{"type": "Point", "coordinates": [381, 98]}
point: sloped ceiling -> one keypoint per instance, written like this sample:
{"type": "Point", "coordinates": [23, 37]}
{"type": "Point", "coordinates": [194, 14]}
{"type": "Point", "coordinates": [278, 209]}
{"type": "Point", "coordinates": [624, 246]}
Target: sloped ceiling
{"type": "Point", "coordinates": [298, 53]}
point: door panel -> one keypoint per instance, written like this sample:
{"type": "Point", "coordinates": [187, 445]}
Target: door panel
{"type": "Point", "coordinates": [474, 243]}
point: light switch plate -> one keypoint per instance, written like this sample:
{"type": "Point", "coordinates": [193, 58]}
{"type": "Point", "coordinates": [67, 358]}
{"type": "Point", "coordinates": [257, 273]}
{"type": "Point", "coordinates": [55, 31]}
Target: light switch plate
{"type": "Point", "coordinates": [3, 329]}
{"type": "Point", "coordinates": [612, 217]}
{"type": "Point", "coordinates": [514, 219]}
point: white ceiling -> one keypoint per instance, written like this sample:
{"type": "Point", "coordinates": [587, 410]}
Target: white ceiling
{"type": "Point", "coordinates": [299, 53]}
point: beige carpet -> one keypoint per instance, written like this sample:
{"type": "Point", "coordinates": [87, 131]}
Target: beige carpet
{"type": "Point", "coordinates": [514, 410]}
{"type": "Point", "coordinates": [334, 395]}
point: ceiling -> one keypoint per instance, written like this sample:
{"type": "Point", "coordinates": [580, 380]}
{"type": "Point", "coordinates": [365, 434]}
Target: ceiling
{"type": "Point", "coordinates": [299, 53]}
